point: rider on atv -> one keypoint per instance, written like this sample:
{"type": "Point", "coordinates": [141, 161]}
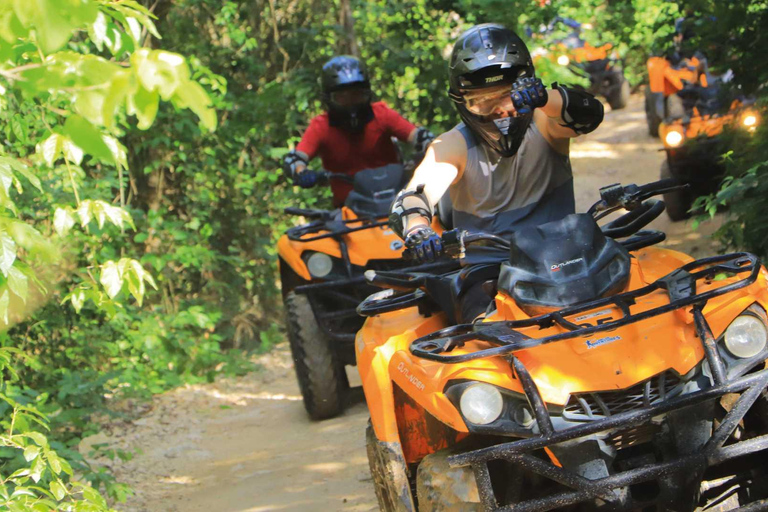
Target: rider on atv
{"type": "Point", "coordinates": [353, 134]}
{"type": "Point", "coordinates": [506, 166]}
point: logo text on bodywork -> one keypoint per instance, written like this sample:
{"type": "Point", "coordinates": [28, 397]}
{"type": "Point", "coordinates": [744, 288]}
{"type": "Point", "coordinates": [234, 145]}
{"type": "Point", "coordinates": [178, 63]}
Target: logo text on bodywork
{"type": "Point", "coordinates": [411, 378]}
{"type": "Point", "coordinates": [602, 341]}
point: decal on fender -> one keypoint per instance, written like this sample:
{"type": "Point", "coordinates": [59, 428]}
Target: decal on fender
{"type": "Point", "coordinates": [602, 341]}
{"type": "Point", "coordinates": [411, 378]}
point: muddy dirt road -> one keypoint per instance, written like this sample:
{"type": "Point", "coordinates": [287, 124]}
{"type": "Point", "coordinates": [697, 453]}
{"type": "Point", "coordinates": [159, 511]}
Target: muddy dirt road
{"type": "Point", "coordinates": [247, 445]}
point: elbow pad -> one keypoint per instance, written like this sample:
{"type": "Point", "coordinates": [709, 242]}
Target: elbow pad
{"type": "Point", "coordinates": [291, 160]}
{"type": "Point", "coordinates": [418, 204]}
{"type": "Point", "coordinates": [582, 112]}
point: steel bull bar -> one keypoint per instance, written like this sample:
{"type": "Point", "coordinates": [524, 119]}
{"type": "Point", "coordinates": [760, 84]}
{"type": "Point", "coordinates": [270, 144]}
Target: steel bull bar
{"type": "Point", "coordinates": [713, 453]}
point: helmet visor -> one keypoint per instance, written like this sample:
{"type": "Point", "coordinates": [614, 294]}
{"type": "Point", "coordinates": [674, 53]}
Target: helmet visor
{"type": "Point", "coordinates": [490, 101]}
{"type": "Point", "coordinates": [351, 97]}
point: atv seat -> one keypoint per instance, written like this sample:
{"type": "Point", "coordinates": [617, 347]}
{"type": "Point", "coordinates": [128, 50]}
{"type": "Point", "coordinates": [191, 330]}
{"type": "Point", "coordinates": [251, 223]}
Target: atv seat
{"type": "Point", "coordinates": [374, 190]}
{"type": "Point", "coordinates": [447, 290]}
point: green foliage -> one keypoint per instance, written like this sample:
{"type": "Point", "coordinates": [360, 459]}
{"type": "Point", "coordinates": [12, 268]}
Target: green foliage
{"type": "Point", "coordinates": [745, 188]}
{"type": "Point", "coordinates": [72, 73]}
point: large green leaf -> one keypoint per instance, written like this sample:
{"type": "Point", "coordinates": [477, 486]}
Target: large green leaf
{"type": "Point", "coordinates": [55, 21]}
{"type": "Point", "coordinates": [88, 138]}
{"type": "Point", "coordinates": [194, 97]}
{"type": "Point", "coordinates": [7, 252]}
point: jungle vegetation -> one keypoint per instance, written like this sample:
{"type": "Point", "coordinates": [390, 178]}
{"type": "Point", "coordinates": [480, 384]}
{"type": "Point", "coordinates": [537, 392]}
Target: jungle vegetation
{"type": "Point", "coordinates": [141, 193]}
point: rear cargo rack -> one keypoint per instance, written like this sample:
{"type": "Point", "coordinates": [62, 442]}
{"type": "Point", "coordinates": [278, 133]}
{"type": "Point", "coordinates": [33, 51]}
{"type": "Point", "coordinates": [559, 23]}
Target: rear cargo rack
{"type": "Point", "coordinates": [680, 285]}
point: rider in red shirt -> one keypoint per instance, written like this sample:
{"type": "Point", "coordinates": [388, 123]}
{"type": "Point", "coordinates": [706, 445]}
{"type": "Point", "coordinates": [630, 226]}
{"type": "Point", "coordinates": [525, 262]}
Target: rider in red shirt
{"type": "Point", "coordinates": [353, 134]}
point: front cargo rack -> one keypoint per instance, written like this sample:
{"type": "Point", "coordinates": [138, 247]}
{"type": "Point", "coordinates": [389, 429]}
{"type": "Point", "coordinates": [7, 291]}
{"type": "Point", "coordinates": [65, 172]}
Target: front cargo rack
{"type": "Point", "coordinates": [680, 286]}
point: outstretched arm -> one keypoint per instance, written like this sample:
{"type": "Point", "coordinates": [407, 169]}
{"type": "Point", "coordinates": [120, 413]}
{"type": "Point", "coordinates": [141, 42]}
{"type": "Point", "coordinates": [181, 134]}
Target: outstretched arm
{"type": "Point", "coordinates": [442, 165]}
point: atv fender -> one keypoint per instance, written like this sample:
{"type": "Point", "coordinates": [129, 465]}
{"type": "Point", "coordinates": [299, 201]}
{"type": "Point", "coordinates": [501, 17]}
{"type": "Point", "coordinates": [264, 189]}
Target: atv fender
{"type": "Point", "coordinates": [375, 344]}
{"type": "Point", "coordinates": [292, 258]}
{"type": "Point", "coordinates": [656, 68]}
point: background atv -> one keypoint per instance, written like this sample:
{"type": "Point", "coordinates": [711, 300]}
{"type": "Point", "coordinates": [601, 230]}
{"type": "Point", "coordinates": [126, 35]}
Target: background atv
{"type": "Point", "coordinates": [612, 374]}
{"type": "Point", "coordinates": [691, 140]}
{"type": "Point", "coordinates": [665, 80]}
{"type": "Point", "coordinates": [321, 272]}
{"type": "Point", "coordinates": [600, 64]}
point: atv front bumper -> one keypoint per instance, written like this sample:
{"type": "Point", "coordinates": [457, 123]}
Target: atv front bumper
{"type": "Point", "coordinates": [713, 452]}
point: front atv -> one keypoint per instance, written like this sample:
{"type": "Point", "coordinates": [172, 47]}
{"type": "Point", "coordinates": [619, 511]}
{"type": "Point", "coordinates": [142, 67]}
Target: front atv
{"type": "Point", "coordinates": [611, 375]}
{"type": "Point", "coordinates": [321, 271]}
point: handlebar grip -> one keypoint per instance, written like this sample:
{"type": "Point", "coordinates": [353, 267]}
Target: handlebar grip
{"type": "Point", "coordinates": [305, 212]}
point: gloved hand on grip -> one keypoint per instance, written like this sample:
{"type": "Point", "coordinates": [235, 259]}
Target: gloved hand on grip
{"type": "Point", "coordinates": [528, 94]}
{"type": "Point", "coordinates": [424, 244]}
{"type": "Point", "coordinates": [306, 178]}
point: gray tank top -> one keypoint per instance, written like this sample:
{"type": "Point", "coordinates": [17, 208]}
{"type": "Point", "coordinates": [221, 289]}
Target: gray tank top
{"type": "Point", "coordinates": [500, 195]}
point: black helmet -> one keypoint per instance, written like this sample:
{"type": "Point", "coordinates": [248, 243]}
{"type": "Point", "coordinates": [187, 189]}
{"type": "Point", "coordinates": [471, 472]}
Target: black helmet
{"type": "Point", "coordinates": [490, 55]}
{"type": "Point", "coordinates": [345, 73]}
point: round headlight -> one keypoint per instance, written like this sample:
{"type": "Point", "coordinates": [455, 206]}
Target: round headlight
{"type": "Point", "coordinates": [481, 404]}
{"type": "Point", "coordinates": [746, 336]}
{"type": "Point", "coordinates": [563, 60]}
{"type": "Point", "coordinates": [674, 139]}
{"type": "Point", "coordinates": [319, 264]}
{"type": "Point", "coordinates": [750, 120]}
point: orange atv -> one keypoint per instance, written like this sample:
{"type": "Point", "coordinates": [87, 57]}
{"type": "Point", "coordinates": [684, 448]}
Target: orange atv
{"type": "Point", "coordinates": [609, 374]}
{"type": "Point", "coordinates": [599, 63]}
{"type": "Point", "coordinates": [665, 80]}
{"type": "Point", "coordinates": [691, 141]}
{"type": "Point", "coordinates": [321, 271]}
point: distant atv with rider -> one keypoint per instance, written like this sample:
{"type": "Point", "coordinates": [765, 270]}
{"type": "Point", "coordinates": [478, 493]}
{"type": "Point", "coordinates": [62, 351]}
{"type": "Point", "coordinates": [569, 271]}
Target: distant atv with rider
{"type": "Point", "coordinates": [322, 260]}
{"type": "Point", "coordinates": [692, 140]}
{"type": "Point", "coordinates": [601, 64]}
{"type": "Point", "coordinates": [688, 107]}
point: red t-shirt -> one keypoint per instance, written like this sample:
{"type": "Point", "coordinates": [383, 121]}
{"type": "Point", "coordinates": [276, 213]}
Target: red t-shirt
{"type": "Point", "coordinates": [349, 153]}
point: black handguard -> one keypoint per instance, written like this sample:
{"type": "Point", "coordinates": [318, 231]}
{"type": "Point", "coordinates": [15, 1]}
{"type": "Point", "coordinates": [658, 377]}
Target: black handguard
{"type": "Point", "coordinates": [581, 112]}
{"type": "Point", "coordinates": [399, 213]}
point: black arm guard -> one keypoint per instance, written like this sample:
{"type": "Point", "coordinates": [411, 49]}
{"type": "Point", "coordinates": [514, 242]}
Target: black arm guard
{"type": "Point", "coordinates": [582, 112]}
{"type": "Point", "coordinates": [291, 160]}
{"type": "Point", "coordinates": [399, 213]}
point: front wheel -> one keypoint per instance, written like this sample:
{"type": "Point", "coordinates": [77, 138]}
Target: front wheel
{"type": "Point", "coordinates": [620, 96]}
{"type": "Point", "coordinates": [679, 201]}
{"type": "Point", "coordinates": [321, 376]}
{"type": "Point", "coordinates": [389, 473]}
{"type": "Point", "coordinates": [650, 114]}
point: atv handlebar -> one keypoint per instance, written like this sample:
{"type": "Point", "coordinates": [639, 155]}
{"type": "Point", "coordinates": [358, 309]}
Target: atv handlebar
{"type": "Point", "coordinates": [631, 196]}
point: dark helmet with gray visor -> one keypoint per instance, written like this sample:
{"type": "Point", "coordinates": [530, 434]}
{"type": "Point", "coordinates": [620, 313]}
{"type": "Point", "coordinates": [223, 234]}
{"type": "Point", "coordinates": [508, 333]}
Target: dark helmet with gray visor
{"type": "Point", "coordinates": [489, 56]}
{"type": "Point", "coordinates": [347, 93]}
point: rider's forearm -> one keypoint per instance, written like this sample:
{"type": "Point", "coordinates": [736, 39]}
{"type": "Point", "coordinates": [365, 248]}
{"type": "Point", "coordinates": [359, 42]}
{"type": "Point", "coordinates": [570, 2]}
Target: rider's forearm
{"type": "Point", "coordinates": [554, 105]}
{"type": "Point", "coordinates": [436, 179]}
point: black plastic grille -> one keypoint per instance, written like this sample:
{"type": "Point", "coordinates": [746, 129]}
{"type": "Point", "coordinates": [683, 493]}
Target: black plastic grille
{"type": "Point", "coordinates": [590, 406]}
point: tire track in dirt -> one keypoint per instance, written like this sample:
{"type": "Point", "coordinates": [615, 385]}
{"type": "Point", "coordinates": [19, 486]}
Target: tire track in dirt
{"type": "Point", "coordinates": [246, 444]}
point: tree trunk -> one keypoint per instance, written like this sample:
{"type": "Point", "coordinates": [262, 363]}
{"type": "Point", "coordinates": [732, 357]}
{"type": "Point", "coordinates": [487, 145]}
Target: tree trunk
{"type": "Point", "coordinates": [346, 20]}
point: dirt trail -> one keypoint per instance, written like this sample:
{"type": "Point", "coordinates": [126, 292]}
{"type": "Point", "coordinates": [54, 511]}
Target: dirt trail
{"type": "Point", "coordinates": [247, 445]}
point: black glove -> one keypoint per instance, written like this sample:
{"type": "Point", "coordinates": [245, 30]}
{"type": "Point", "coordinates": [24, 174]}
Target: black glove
{"type": "Point", "coordinates": [528, 94]}
{"type": "Point", "coordinates": [306, 178]}
{"type": "Point", "coordinates": [424, 244]}
{"type": "Point", "coordinates": [423, 139]}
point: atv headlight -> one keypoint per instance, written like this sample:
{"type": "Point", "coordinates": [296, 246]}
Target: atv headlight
{"type": "Point", "coordinates": [481, 403]}
{"type": "Point", "coordinates": [319, 265]}
{"type": "Point", "coordinates": [563, 60]}
{"type": "Point", "coordinates": [746, 336]}
{"type": "Point", "coordinates": [750, 120]}
{"type": "Point", "coordinates": [674, 139]}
